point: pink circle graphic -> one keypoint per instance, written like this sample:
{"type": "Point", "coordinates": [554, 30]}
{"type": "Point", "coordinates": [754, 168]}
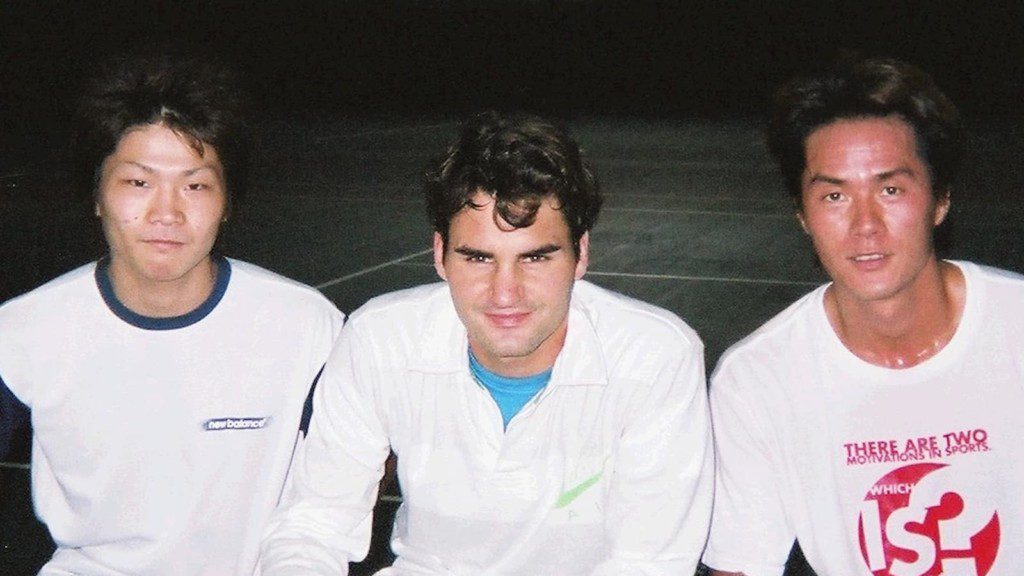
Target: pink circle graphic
{"type": "Point", "coordinates": [923, 534]}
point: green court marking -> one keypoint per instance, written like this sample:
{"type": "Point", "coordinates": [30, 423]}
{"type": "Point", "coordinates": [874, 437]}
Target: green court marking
{"type": "Point", "coordinates": [573, 493]}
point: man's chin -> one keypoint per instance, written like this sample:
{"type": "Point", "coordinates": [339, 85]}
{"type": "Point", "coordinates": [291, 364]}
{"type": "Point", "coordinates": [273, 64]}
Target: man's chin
{"type": "Point", "coordinates": [510, 352]}
{"type": "Point", "coordinates": [504, 350]}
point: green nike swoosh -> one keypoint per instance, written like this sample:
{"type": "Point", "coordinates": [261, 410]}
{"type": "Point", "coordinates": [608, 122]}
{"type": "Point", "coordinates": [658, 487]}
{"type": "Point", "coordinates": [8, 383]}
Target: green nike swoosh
{"type": "Point", "coordinates": [566, 498]}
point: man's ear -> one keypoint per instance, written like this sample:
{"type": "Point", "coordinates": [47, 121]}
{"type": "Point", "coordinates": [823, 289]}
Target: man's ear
{"type": "Point", "coordinates": [439, 256]}
{"type": "Point", "coordinates": [800, 219]}
{"type": "Point", "coordinates": [941, 208]}
{"type": "Point", "coordinates": [584, 260]}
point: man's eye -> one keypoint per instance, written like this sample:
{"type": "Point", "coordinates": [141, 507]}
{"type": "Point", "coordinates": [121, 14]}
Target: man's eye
{"type": "Point", "coordinates": [833, 197]}
{"type": "Point", "coordinates": [136, 183]}
{"type": "Point", "coordinates": [890, 191]}
{"type": "Point", "coordinates": [476, 258]}
{"type": "Point", "coordinates": [536, 258]}
{"type": "Point", "coordinates": [194, 186]}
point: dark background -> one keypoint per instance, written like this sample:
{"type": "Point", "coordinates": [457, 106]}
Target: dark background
{"type": "Point", "coordinates": [322, 60]}
{"type": "Point", "coordinates": [353, 58]}
{"type": "Point", "coordinates": [311, 64]}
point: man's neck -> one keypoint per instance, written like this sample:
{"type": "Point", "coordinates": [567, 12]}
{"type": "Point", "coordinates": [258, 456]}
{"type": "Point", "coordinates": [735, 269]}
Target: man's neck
{"type": "Point", "coordinates": [906, 329]}
{"type": "Point", "coordinates": [166, 299]}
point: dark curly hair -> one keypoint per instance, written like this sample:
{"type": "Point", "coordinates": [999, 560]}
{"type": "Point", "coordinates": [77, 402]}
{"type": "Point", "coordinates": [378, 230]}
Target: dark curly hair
{"type": "Point", "coordinates": [866, 88]}
{"type": "Point", "coordinates": [520, 160]}
{"type": "Point", "coordinates": [200, 100]}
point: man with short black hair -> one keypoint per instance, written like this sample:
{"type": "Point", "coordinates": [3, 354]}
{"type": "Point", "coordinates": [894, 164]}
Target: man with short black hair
{"type": "Point", "coordinates": [166, 383]}
{"type": "Point", "coordinates": [542, 425]}
{"type": "Point", "coordinates": [876, 420]}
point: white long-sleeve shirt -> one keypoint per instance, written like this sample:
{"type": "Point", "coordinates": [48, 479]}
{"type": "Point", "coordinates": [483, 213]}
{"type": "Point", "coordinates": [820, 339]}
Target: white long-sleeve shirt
{"type": "Point", "coordinates": [608, 470]}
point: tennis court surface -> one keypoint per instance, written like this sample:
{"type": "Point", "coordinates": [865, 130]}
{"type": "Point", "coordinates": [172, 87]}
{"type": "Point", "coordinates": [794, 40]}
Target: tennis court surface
{"type": "Point", "coordinates": [695, 220]}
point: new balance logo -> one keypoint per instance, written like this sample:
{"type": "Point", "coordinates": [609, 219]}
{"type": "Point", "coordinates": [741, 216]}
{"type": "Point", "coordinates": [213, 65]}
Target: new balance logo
{"type": "Point", "coordinates": [235, 423]}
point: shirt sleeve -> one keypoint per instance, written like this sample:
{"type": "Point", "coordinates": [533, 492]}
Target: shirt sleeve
{"type": "Point", "coordinates": [14, 416]}
{"type": "Point", "coordinates": [750, 532]}
{"type": "Point", "coordinates": [659, 503]}
{"type": "Point", "coordinates": [307, 406]}
{"type": "Point", "coordinates": [325, 518]}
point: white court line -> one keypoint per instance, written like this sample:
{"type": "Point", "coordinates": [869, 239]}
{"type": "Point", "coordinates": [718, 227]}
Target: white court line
{"type": "Point", "coordinates": [333, 185]}
{"type": "Point", "coordinates": [692, 278]}
{"type": "Point", "coordinates": [328, 195]}
{"type": "Point", "coordinates": [766, 200]}
{"type": "Point", "coordinates": [701, 212]}
{"type": "Point", "coordinates": [719, 164]}
{"type": "Point", "coordinates": [383, 131]}
{"type": "Point", "coordinates": [14, 466]}
{"type": "Point", "coordinates": [341, 279]}
{"type": "Point", "coordinates": [704, 278]}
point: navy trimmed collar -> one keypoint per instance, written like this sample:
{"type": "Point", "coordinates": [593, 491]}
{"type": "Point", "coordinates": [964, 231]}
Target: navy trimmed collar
{"type": "Point", "coordinates": [106, 288]}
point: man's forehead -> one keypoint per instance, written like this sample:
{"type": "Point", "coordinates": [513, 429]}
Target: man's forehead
{"type": "Point", "coordinates": [155, 147]}
{"type": "Point", "coordinates": [869, 139]}
{"type": "Point", "coordinates": [485, 230]}
{"type": "Point", "coordinates": [876, 129]}
{"type": "Point", "coordinates": [470, 236]}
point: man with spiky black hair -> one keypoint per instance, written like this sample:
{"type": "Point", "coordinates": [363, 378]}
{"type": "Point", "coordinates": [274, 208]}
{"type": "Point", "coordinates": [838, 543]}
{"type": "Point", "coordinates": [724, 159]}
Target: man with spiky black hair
{"type": "Point", "coordinates": [166, 383]}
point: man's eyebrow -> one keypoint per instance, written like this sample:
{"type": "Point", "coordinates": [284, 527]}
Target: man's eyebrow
{"type": "Point", "coordinates": [138, 165]}
{"type": "Point", "coordinates": [472, 252]}
{"type": "Point", "coordinates": [198, 169]}
{"type": "Point", "coordinates": [186, 173]}
{"type": "Point", "coordinates": [826, 179]}
{"type": "Point", "coordinates": [881, 176]}
{"type": "Point", "coordinates": [541, 251]}
{"type": "Point", "coordinates": [901, 171]}
{"type": "Point", "coordinates": [475, 253]}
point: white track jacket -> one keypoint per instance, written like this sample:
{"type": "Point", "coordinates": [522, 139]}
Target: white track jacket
{"type": "Point", "coordinates": [608, 470]}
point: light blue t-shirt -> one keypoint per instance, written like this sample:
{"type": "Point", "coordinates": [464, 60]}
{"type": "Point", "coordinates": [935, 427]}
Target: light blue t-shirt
{"type": "Point", "coordinates": [511, 394]}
